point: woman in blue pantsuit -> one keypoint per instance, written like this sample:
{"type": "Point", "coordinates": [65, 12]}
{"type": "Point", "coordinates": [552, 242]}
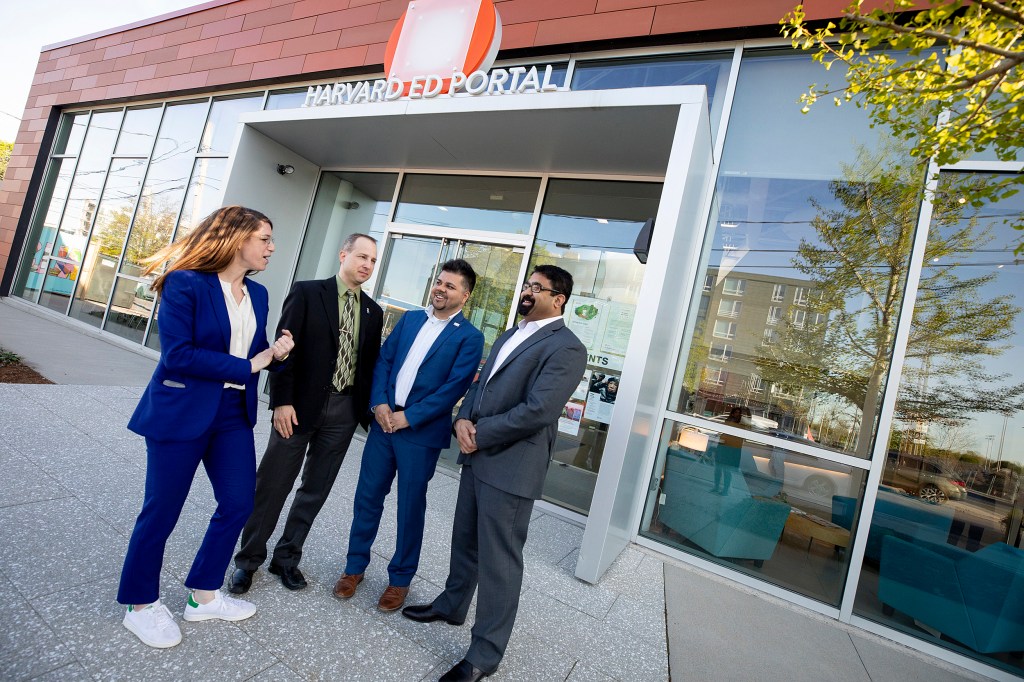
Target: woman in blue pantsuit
{"type": "Point", "coordinates": [200, 406]}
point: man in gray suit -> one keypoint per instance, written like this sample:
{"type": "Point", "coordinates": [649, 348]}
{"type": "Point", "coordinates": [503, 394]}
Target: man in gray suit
{"type": "Point", "coordinates": [506, 429]}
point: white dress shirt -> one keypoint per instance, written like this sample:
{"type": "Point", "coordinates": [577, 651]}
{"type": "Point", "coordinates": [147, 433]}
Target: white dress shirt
{"type": "Point", "coordinates": [425, 338]}
{"type": "Point", "coordinates": [243, 324]}
{"type": "Point", "coordinates": [525, 331]}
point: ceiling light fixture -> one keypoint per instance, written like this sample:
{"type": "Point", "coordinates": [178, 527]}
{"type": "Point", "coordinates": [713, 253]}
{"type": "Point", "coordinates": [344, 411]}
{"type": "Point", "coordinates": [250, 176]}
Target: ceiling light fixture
{"type": "Point", "coordinates": [285, 168]}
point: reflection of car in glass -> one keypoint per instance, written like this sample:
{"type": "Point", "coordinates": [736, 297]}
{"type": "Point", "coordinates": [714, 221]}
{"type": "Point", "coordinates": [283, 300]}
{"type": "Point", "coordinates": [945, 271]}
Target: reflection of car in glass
{"type": "Point", "coordinates": [758, 423]}
{"type": "Point", "coordinates": [803, 475]}
{"type": "Point", "coordinates": [926, 479]}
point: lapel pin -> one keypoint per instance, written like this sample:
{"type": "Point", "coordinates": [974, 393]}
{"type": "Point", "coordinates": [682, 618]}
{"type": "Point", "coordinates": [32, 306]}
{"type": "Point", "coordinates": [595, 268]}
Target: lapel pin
{"type": "Point", "coordinates": [456, 324]}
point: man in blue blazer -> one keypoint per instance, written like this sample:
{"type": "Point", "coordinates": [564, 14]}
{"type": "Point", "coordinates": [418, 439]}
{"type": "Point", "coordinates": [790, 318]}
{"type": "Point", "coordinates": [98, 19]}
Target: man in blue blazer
{"type": "Point", "coordinates": [424, 368]}
{"type": "Point", "coordinates": [506, 429]}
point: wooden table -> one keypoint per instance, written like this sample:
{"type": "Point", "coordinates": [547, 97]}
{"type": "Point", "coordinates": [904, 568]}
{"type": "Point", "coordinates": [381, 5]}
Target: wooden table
{"type": "Point", "coordinates": [817, 528]}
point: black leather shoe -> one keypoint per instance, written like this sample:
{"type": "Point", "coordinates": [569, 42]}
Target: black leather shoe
{"type": "Point", "coordinates": [240, 582]}
{"type": "Point", "coordinates": [291, 576]}
{"type": "Point", "coordinates": [464, 672]}
{"type": "Point", "coordinates": [425, 613]}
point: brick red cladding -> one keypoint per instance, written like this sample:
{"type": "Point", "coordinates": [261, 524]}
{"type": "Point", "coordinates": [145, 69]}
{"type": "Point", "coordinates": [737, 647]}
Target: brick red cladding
{"type": "Point", "coordinates": [239, 42]}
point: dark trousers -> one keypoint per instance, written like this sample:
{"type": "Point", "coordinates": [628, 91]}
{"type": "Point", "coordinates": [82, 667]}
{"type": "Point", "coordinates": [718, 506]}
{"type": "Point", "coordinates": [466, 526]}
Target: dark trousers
{"type": "Point", "coordinates": [488, 534]}
{"type": "Point", "coordinates": [318, 453]}
{"type": "Point", "coordinates": [383, 457]}
{"type": "Point", "coordinates": [228, 454]}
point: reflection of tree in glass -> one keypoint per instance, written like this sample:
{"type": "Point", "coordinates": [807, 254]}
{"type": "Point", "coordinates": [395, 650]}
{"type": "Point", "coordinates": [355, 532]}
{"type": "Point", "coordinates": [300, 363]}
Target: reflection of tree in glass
{"type": "Point", "coordinates": [858, 269]}
{"type": "Point", "coordinates": [151, 231]}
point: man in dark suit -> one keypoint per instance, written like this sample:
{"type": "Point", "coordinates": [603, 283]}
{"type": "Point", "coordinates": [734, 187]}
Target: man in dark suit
{"type": "Point", "coordinates": [318, 399]}
{"type": "Point", "coordinates": [506, 429]}
{"type": "Point", "coordinates": [425, 366]}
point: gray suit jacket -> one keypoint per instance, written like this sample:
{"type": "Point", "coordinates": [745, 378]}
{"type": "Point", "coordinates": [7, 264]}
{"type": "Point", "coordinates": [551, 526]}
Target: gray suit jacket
{"type": "Point", "coordinates": [516, 410]}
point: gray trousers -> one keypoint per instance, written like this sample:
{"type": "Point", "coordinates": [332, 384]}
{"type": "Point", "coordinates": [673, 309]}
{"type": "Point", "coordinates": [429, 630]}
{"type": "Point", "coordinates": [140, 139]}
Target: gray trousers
{"type": "Point", "coordinates": [319, 453]}
{"type": "Point", "coordinates": [488, 534]}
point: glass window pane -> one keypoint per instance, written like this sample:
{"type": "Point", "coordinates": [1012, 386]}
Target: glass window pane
{"type": "Point", "coordinates": [817, 249]}
{"type": "Point", "coordinates": [71, 133]}
{"type": "Point", "coordinates": [84, 195]}
{"type": "Point", "coordinates": [52, 195]}
{"type": "Point", "coordinates": [130, 307]}
{"type": "Point", "coordinates": [179, 132]}
{"type": "Point", "coordinates": [589, 227]}
{"type": "Point", "coordinates": [286, 99]}
{"type": "Point", "coordinates": [945, 555]}
{"type": "Point", "coordinates": [707, 69]}
{"type": "Point", "coordinates": [138, 131]}
{"type": "Point", "coordinates": [204, 195]}
{"type": "Point", "coordinates": [764, 510]}
{"type": "Point", "coordinates": [153, 338]}
{"type": "Point", "coordinates": [345, 203]}
{"type": "Point", "coordinates": [108, 235]}
{"type": "Point", "coordinates": [474, 202]}
{"type": "Point", "coordinates": [221, 127]}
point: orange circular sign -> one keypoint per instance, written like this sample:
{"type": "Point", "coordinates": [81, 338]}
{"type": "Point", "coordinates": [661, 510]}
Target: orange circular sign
{"type": "Point", "coordinates": [442, 37]}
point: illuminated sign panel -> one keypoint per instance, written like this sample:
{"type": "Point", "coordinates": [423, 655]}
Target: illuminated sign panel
{"type": "Point", "coordinates": [439, 47]}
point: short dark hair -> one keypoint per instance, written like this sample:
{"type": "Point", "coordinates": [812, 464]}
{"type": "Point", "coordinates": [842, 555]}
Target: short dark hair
{"type": "Point", "coordinates": [350, 241]}
{"type": "Point", "coordinates": [457, 266]}
{"type": "Point", "coordinates": [561, 280]}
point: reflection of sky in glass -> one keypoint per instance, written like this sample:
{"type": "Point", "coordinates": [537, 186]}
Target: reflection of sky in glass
{"type": "Point", "coordinates": [651, 72]}
{"type": "Point", "coordinates": [137, 131]}
{"type": "Point", "coordinates": [223, 123]}
{"type": "Point", "coordinates": [581, 232]}
{"type": "Point", "coordinates": [516, 222]}
{"type": "Point", "coordinates": [472, 202]}
{"type": "Point", "coordinates": [205, 192]}
{"type": "Point", "coordinates": [410, 269]}
{"type": "Point", "coordinates": [992, 255]}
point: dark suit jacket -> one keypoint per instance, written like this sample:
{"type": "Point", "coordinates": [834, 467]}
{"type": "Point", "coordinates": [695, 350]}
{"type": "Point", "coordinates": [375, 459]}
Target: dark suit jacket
{"type": "Point", "coordinates": [310, 313]}
{"type": "Point", "coordinates": [516, 408]}
{"type": "Point", "coordinates": [184, 394]}
{"type": "Point", "coordinates": [443, 377]}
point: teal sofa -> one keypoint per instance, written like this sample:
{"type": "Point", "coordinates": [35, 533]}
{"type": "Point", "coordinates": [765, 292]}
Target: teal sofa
{"type": "Point", "coordinates": [737, 525]}
{"type": "Point", "coordinates": [975, 598]}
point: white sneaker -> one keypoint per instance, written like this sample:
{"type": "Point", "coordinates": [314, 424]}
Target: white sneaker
{"type": "Point", "coordinates": [222, 607]}
{"type": "Point", "coordinates": [154, 625]}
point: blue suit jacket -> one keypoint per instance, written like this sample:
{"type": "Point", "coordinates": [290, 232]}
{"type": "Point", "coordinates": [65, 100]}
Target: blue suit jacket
{"type": "Point", "coordinates": [444, 375]}
{"type": "Point", "coordinates": [182, 398]}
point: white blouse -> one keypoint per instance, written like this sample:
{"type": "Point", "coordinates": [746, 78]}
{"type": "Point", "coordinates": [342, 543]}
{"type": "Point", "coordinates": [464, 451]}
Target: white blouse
{"type": "Point", "coordinates": [243, 324]}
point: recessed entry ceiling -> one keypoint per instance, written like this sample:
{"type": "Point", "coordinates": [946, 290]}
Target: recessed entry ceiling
{"type": "Point", "coordinates": [565, 132]}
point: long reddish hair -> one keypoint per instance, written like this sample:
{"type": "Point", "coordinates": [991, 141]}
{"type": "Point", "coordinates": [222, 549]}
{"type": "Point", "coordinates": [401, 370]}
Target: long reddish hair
{"type": "Point", "coordinates": [211, 246]}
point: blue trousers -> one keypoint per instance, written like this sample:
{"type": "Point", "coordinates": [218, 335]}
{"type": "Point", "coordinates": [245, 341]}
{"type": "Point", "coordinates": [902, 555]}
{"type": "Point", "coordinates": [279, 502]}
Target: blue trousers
{"type": "Point", "coordinates": [228, 454]}
{"type": "Point", "coordinates": [383, 456]}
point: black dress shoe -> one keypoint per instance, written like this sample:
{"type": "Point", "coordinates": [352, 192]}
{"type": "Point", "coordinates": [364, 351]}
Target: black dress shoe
{"type": "Point", "coordinates": [240, 582]}
{"type": "Point", "coordinates": [425, 613]}
{"type": "Point", "coordinates": [291, 576]}
{"type": "Point", "coordinates": [463, 672]}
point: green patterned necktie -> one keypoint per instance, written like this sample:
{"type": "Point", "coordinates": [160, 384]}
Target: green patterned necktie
{"type": "Point", "coordinates": [345, 369]}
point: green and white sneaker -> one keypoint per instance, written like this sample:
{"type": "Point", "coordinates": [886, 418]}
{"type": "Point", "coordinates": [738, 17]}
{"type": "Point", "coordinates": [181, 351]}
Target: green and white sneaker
{"type": "Point", "coordinates": [154, 625]}
{"type": "Point", "coordinates": [222, 607]}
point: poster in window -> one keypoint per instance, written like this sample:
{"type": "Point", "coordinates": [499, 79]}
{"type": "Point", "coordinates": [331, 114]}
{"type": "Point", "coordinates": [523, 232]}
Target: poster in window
{"type": "Point", "coordinates": [603, 390]}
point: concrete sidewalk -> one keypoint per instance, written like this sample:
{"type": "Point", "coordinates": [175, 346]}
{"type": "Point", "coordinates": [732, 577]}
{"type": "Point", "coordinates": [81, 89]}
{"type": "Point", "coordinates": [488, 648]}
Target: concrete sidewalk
{"type": "Point", "coordinates": [72, 485]}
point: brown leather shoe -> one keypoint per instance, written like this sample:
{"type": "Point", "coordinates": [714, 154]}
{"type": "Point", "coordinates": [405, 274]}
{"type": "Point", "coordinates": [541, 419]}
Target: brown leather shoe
{"type": "Point", "coordinates": [346, 585]}
{"type": "Point", "coordinates": [393, 598]}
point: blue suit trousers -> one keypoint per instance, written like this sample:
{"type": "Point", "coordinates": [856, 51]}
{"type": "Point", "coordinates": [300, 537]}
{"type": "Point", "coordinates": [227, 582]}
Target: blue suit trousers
{"type": "Point", "coordinates": [228, 453]}
{"type": "Point", "coordinates": [383, 456]}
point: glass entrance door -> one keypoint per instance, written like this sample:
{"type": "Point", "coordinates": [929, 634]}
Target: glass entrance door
{"type": "Point", "coordinates": [412, 262]}
{"type": "Point", "coordinates": [410, 266]}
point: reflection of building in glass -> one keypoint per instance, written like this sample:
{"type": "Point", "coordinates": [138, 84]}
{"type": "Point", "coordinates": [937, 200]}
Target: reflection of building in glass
{"type": "Point", "coordinates": [744, 316]}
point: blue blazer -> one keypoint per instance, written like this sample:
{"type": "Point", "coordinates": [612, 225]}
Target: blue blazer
{"type": "Point", "coordinates": [444, 375]}
{"type": "Point", "coordinates": [182, 398]}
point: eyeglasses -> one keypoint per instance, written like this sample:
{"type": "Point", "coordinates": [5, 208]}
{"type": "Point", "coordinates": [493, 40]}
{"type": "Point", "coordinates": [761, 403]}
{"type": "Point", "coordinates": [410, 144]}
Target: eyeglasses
{"type": "Point", "coordinates": [264, 239]}
{"type": "Point", "coordinates": [536, 288]}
